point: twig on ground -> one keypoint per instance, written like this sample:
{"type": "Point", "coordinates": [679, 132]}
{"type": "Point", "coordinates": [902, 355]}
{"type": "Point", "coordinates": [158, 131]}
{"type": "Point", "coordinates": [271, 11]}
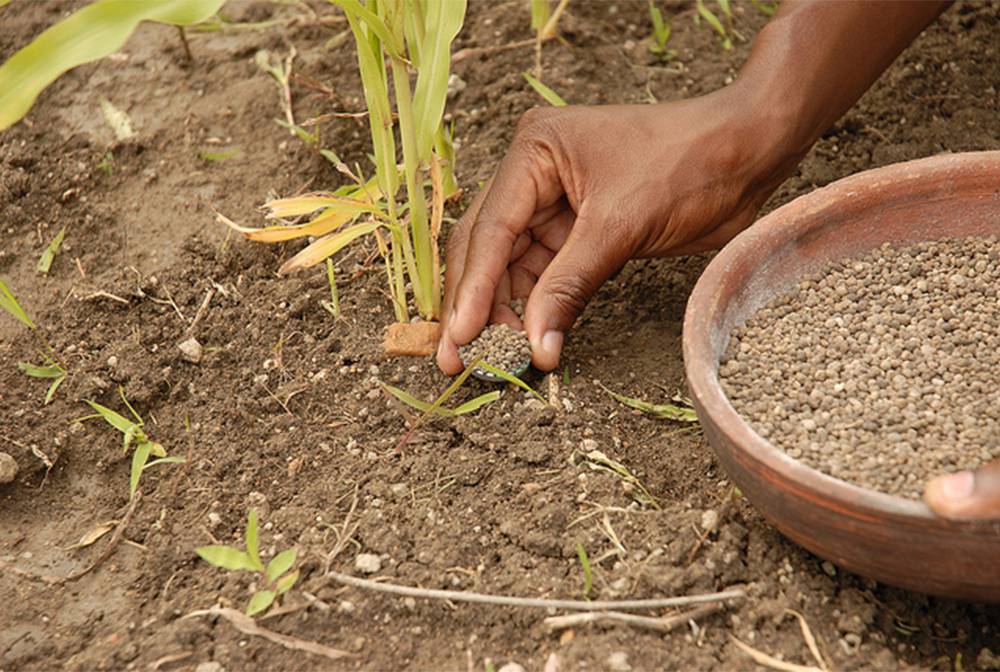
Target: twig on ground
{"type": "Point", "coordinates": [248, 626]}
{"type": "Point", "coordinates": [665, 624]}
{"type": "Point", "coordinates": [101, 294]}
{"type": "Point", "coordinates": [762, 658]}
{"type": "Point", "coordinates": [471, 52]}
{"type": "Point", "coordinates": [170, 658]}
{"type": "Point", "coordinates": [807, 635]}
{"type": "Point", "coordinates": [184, 42]}
{"type": "Point", "coordinates": [286, 89]}
{"type": "Point", "coordinates": [511, 601]}
{"type": "Point", "coordinates": [201, 311]}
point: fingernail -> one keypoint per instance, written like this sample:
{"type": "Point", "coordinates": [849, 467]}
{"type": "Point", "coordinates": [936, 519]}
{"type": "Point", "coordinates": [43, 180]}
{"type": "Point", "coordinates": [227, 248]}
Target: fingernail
{"type": "Point", "coordinates": [552, 342]}
{"type": "Point", "coordinates": [440, 348]}
{"type": "Point", "coordinates": [957, 486]}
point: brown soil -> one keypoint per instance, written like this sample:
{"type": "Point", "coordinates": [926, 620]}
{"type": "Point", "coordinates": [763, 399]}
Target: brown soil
{"type": "Point", "coordinates": [283, 413]}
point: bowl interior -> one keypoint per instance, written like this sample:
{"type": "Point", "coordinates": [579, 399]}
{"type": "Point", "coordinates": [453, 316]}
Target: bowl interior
{"type": "Point", "coordinates": [942, 197]}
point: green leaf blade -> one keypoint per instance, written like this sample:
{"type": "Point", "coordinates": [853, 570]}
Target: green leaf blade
{"type": "Point", "coordinates": [280, 564]}
{"type": "Point", "coordinates": [286, 582]}
{"type": "Point", "coordinates": [225, 557]}
{"type": "Point", "coordinates": [89, 34]}
{"type": "Point", "coordinates": [444, 20]}
{"type": "Point", "coordinates": [253, 541]}
{"type": "Point", "coordinates": [49, 254]}
{"type": "Point", "coordinates": [550, 96]}
{"type": "Point", "coordinates": [139, 458]}
{"type": "Point", "coordinates": [260, 601]}
{"type": "Point", "coordinates": [7, 300]}
{"type": "Point", "coordinates": [116, 420]}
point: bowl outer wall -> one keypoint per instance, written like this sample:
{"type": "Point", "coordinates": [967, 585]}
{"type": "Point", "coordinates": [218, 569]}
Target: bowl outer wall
{"type": "Point", "coordinates": [891, 539]}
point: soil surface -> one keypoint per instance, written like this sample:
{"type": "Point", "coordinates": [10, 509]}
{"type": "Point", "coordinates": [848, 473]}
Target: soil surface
{"type": "Point", "coordinates": [283, 411]}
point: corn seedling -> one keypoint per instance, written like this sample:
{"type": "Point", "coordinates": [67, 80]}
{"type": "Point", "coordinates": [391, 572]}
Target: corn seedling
{"type": "Point", "coordinates": [550, 96]}
{"type": "Point", "coordinates": [665, 411]}
{"type": "Point", "coordinates": [88, 34]}
{"type": "Point", "coordinates": [661, 34]}
{"type": "Point", "coordinates": [133, 434]}
{"type": "Point", "coordinates": [588, 575]}
{"type": "Point", "coordinates": [712, 20]}
{"type": "Point", "coordinates": [394, 38]}
{"type": "Point", "coordinates": [333, 305]}
{"type": "Point", "coordinates": [49, 253]}
{"type": "Point", "coordinates": [53, 369]}
{"type": "Point", "coordinates": [276, 576]}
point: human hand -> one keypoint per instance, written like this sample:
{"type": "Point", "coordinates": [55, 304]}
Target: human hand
{"type": "Point", "coordinates": [584, 189]}
{"type": "Point", "coordinates": [966, 494]}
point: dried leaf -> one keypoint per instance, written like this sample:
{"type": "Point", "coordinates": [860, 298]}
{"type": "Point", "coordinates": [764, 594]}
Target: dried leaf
{"type": "Point", "coordinates": [762, 658]}
{"type": "Point", "coordinates": [49, 254]}
{"type": "Point", "coordinates": [117, 119]}
{"type": "Point", "coordinates": [93, 535]}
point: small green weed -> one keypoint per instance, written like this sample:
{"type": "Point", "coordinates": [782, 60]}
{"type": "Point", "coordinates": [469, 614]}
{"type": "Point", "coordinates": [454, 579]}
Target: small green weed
{"type": "Point", "coordinates": [53, 368]}
{"type": "Point", "coordinates": [661, 34]}
{"type": "Point", "coordinates": [49, 253]}
{"type": "Point", "coordinates": [107, 164]}
{"type": "Point", "coordinates": [133, 432]}
{"type": "Point", "coordinates": [333, 305]}
{"type": "Point", "coordinates": [276, 576]}
{"type": "Point", "coordinates": [712, 20]}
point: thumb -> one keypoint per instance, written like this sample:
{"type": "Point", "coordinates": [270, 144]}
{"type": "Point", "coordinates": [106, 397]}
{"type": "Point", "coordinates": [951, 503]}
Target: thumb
{"type": "Point", "coordinates": [588, 257]}
{"type": "Point", "coordinates": [967, 494]}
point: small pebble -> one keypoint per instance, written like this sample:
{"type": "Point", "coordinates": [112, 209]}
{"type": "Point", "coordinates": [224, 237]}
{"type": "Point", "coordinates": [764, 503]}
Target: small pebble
{"type": "Point", "coordinates": [191, 350]}
{"type": "Point", "coordinates": [8, 468]}
{"type": "Point", "coordinates": [368, 563]}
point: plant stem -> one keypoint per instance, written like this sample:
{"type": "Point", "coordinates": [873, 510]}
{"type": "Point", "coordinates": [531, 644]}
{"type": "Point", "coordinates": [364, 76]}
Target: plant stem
{"type": "Point", "coordinates": [421, 278]}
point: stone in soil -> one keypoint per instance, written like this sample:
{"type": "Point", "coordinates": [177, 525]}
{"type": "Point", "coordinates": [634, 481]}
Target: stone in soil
{"type": "Point", "coordinates": [879, 370]}
{"type": "Point", "coordinates": [500, 346]}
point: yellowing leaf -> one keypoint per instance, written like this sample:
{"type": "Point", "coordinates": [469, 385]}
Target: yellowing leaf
{"type": "Point", "coordinates": [93, 535]}
{"type": "Point", "coordinates": [326, 246]}
{"type": "Point", "coordinates": [117, 119]}
{"type": "Point", "coordinates": [303, 205]}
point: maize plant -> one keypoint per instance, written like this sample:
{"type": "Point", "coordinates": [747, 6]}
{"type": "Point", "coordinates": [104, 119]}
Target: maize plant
{"type": "Point", "coordinates": [406, 43]}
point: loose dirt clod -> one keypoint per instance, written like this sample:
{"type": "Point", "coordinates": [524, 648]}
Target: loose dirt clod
{"type": "Point", "coordinates": [879, 370]}
{"type": "Point", "coordinates": [8, 468]}
{"type": "Point", "coordinates": [500, 346]}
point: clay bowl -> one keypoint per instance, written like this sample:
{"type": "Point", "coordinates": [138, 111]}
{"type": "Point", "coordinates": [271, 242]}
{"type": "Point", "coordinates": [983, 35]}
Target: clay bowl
{"type": "Point", "coordinates": [887, 538]}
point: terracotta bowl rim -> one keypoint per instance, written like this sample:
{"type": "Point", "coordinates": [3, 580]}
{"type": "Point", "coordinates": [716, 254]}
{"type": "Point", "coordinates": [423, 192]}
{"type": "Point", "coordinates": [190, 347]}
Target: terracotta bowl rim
{"type": "Point", "coordinates": [764, 236]}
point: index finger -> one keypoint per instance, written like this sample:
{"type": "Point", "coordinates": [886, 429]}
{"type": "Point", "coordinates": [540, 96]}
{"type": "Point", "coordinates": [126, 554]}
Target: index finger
{"type": "Point", "coordinates": [525, 183]}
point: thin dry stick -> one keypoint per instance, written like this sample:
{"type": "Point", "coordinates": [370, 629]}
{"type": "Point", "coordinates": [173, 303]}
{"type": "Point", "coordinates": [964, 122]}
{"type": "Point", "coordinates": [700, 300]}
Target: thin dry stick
{"type": "Point", "coordinates": [470, 52]}
{"type": "Point", "coordinates": [723, 510]}
{"type": "Point", "coordinates": [286, 89]}
{"type": "Point", "coordinates": [201, 311]}
{"type": "Point", "coordinates": [248, 626]}
{"type": "Point", "coordinates": [665, 624]}
{"type": "Point", "coordinates": [101, 294]}
{"type": "Point", "coordinates": [807, 635]}
{"type": "Point", "coordinates": [507, 600]}
{"type": "Point", "coordinates": [762, 658]}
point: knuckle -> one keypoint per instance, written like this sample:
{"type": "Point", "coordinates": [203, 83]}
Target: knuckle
{"type": "Point", "coordinates": [570, 294]}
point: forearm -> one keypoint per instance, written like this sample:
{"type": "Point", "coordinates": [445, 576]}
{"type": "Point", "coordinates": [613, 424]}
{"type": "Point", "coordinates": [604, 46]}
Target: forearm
{"type": "Point", "coordinates": [815, 58]}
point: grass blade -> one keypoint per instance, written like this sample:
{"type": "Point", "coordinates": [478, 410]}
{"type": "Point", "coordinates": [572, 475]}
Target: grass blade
{"type": "Point", "coordinates": [89, 34]}
{"type": "Point", "coordinates": [665, 411]}
{"type": "Point", "coordinates": [334, 304]}
{"type": "Point", "coordinates": [36, 371]}
{"type": "Point", "coordinates": [715, 23]}
{"type": "Point", "coordinates": [51, 392]}
{"type": "Point", "coordinates": [444, 20]}
{"type": "Point", "coordinates": [119, 422]}
{"type": "Point", "coordinates": [477, 403]}
{"type": "Point", "coordinates": [510, 378]}
{"type": "Point", "coordinates": [550, 96]}
{"type": "Point", "coordinates": [139, 459]}
{"type": "Point", "coordinates": [541, 10]}
{"type": "Point", "coordinates": [326, 246]}
{"type": "Point", "coordinates": [467, 407]}
{"type": "Point", "coordinates": [588, 575]}
{"type": "Point", "coordinates": [49, 254]}
{"type": "Point", "coordinates": [10, 304]}
{"type": "Point", "coordinates": [253, 541]}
